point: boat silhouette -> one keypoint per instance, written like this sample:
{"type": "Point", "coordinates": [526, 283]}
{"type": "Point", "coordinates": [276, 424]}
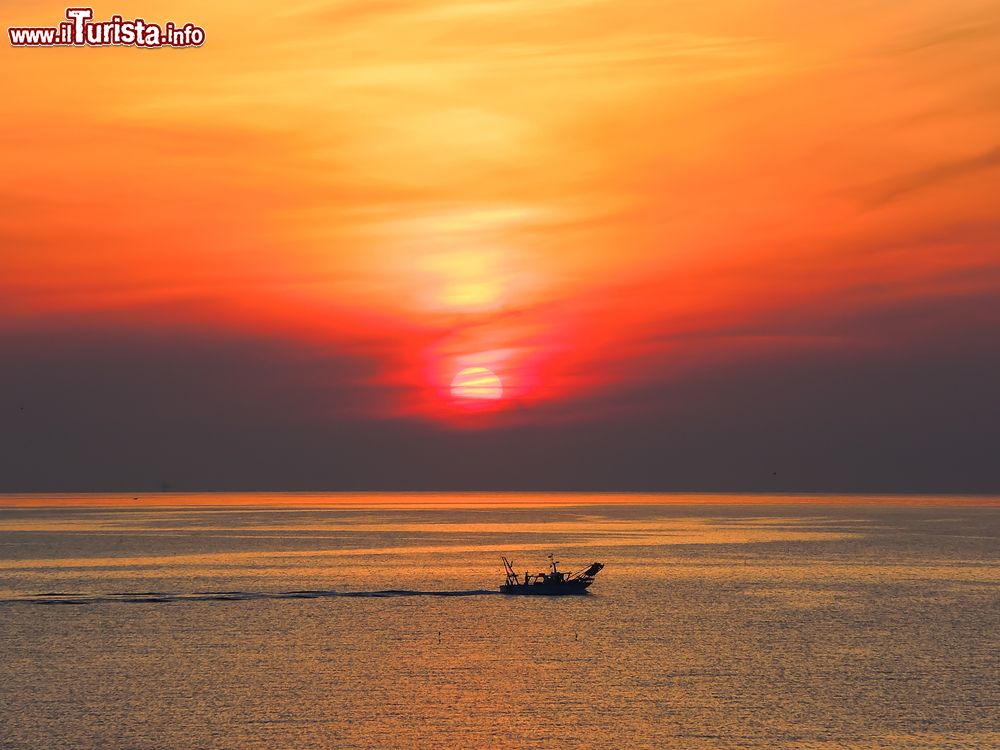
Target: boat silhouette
{"type": "Point", "coordinates": [555, 583]}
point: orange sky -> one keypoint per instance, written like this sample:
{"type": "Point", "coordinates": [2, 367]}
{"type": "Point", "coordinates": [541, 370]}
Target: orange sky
{"type": "Point", "coordinates": [581, 195]}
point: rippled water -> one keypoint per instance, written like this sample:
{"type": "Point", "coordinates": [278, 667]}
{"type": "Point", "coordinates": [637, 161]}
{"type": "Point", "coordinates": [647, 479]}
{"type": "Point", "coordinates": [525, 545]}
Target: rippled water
{"type": "Point", "coordinates": [368, 622]}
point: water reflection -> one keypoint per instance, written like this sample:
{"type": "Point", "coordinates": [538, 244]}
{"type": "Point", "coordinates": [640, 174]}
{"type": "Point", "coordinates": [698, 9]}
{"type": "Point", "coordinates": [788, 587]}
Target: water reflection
{"type": "Point", "coordinates": [713, 626]}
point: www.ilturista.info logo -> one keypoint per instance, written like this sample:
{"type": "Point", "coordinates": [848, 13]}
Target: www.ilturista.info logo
{"type": "Point", "coordinates": [81, 31]}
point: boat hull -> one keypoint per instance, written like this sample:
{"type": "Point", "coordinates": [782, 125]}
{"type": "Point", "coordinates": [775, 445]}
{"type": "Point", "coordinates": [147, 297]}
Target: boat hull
{"type": "Point", "coordinates": [566, 588]}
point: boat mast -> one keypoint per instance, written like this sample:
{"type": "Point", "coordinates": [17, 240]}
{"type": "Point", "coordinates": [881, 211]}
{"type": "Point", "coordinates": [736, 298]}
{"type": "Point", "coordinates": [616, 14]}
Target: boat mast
{"type": "Point", "coordinates": [511, 575]}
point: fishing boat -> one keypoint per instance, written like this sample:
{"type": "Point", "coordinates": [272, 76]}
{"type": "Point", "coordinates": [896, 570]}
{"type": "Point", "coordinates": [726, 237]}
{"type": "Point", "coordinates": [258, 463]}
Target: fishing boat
{"type": "Point", "coordinates": [555, 583]}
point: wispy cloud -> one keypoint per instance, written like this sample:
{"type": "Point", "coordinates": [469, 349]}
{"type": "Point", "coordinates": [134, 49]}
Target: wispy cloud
{"type": "Point", "coordinates": [894, 189]}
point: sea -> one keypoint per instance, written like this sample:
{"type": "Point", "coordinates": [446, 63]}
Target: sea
{"type": "Point", "coordinates": [374, 621]}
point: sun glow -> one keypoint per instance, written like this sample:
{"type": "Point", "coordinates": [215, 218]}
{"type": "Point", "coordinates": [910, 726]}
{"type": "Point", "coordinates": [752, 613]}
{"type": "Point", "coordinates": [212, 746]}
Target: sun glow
{"type": "Point", "coordinates": [461, 186]}
{"type": "Point", "coordinates": [476, 383]}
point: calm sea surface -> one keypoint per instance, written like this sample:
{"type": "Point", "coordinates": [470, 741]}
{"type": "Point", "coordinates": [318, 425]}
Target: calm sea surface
{"type": "Point", "coordinates": [307, 621]}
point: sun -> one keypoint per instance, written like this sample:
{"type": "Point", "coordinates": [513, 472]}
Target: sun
{"type": "Point", "coordinates": [476, 383]}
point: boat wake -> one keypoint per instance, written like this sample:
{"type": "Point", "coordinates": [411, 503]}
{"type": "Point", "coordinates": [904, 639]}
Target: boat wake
{"type": "Point", "coordinates": [157, 597]}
